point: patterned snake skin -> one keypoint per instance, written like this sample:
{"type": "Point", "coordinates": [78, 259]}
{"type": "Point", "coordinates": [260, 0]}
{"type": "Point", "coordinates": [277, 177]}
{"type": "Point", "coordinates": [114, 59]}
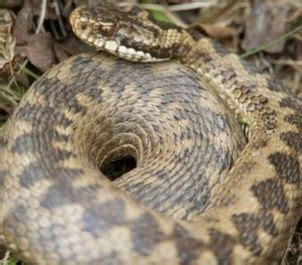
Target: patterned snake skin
{"type": "Point", "coordinates": [198, 195]}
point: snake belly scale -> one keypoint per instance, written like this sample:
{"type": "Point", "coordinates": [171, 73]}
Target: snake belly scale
{"type": "Point", "coordinates": [188, 204]}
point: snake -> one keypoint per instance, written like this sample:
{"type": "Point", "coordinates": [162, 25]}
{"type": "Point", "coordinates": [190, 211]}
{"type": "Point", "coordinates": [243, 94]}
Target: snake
{"type": "Point", "coordinates": [203, 191]}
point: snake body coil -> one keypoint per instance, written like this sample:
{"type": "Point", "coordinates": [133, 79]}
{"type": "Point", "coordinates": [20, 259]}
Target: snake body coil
{"type": "Point", "coordinates": [225, 205]}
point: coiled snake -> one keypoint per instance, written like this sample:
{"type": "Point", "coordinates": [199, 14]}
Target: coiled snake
{"type": "Point", "coordinates": [225, 206]}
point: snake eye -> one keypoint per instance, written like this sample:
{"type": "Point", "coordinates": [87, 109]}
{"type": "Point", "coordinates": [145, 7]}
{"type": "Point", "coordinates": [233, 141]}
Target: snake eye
{"type": "Point", "coordinates": [84, 20]}
{"type": "Point", "coordinates": [107, 29]}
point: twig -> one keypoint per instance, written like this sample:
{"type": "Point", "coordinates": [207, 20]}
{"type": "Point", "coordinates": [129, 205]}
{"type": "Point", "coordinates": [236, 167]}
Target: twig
{"type": "Point", "coordinates": [190, 6]}
{"type": "Point", "coordinates": [21, 67]}
{"type": "Point", "coordinates": [42, 16]}
{"type": "Point", "coordinates": [62, 34]}
{"type": "Point", "coordinates": [4, 261]}
{"type": "Point", "coordinates": [287, 62]}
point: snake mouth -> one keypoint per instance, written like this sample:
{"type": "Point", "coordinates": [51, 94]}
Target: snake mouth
{"type": "Point", "coordinates": [104, 37]}
{"type": "Point", "coordinates": [115, 47]}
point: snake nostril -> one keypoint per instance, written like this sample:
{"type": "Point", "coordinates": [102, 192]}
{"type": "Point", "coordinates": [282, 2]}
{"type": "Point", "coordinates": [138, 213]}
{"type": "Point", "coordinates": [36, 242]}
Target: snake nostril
{"type": "Point", "coordinates": [84, 26]}
{"type": "Point", "coordinates": [115, 169]}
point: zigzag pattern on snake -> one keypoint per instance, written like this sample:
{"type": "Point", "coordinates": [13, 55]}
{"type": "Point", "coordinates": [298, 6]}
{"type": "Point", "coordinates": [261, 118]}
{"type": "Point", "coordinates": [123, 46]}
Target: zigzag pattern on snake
{"type": "Point", "coordinates": [199, 193]}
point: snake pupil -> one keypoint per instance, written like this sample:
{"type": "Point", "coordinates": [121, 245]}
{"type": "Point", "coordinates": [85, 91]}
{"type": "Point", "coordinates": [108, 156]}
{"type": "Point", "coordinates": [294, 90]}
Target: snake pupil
{"type": "Point", "coordinates": [115, 169]}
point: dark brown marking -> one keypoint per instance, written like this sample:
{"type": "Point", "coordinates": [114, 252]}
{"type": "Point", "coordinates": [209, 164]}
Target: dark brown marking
{"type": "Point", "coordinates": [222, 245]}
{"type": "Point", "coordinates": [63, 121]}
{"type": "Point", "coordinates": [3, 174]}
{"type": "Point", "coordinates": [228, 74]}
{"type": "Point", "coordinates": [295, 119]}
{"type": "Point", "coordinates": [63, 192]}
{"type": "Point", "coordinates": [63, 154]}
{"type": "Point", "coordinates": [43, 86]}
{"type": "Point", "coordinates": [269, 119]}
{"type": "Point", "coordinates": [246, 87]}
{"type": "Point", "coordinates": [3, 142]}
{"type": "Point", "coordinates": [292, 103]}
{"type": "Point", "coordinates": [109, 259]}
{"type": "Point", "coordinates": [268, 223]}
{"type": "Point", "coordinates": [31, 174]}
{"type": "Point", "coordinates": [274, 85]}
{"type": "Point", "coordinates": [75, 107]}
{"type": "Point", "coordinates": [94, 93]}
{"type": "Point", "coordinates": [145, 234]}
{"type": "Point", "coordinates": [251, 68]}
{"type": "Point", "coordinates": [270, 195]}
{"type": "Point", "coordinates": [17, 215]}
{"type": "Point", "coordinates": [247, 225]}
{"type": "Point", "coordinates": [98, 218]}
{"type": "Point", "coordinates": [287, 167]}
{"type": "Point", "coordinates": [34, 114]}
{"type": "Point", "coordinates": [83, 71]}
{"type": "Point", "coordinates": [262, 143]}
{"type": "Point", "coordinates": [35, 172]}
{"type": "Point", "coordinates": [220, 49]}
{"type": "Point", "coordinates": [23, 144]}
{"type": "Point", "coordinates": [61, 137]}
{"type": "Point", "coordinates": [188, 248]}
{"type": "Point", "coordinates": [160, 174]}
{"type": "Point", "coordinates": [293, 140]}
{"type": "Point", "coordinates": [27, 112]}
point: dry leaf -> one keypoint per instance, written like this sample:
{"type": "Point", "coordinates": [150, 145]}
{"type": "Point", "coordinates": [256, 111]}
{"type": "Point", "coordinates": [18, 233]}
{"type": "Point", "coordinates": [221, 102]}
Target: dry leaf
{"type": "Point", "coordinates": [267, 21]}
{"type": "Point", "coordinates": [38, 48]}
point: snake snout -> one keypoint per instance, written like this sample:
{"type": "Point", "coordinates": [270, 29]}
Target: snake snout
{"type": "Point", "coordinates": [114, 34]}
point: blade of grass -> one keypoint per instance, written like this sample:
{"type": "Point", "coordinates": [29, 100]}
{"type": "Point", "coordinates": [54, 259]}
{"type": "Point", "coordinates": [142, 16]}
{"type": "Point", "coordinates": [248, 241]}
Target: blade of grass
{"type": "Point", "coordinates": [270, 44]}
{"type": "Point", "coordinates": [165, 16]}
{"type": "Point", "coordinates": [24, 69]}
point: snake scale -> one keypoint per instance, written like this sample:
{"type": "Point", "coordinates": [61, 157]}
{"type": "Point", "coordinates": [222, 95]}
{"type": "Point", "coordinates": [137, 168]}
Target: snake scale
{"type": "Point", "coordinates": [236, 207]}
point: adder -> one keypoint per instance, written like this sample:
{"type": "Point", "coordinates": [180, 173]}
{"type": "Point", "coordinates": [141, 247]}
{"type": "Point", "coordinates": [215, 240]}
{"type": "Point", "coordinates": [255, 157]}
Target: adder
{"type": "Point", "coordinates": [199, 194]}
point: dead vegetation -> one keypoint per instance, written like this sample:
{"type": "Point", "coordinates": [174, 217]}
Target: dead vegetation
{"type": "Point", "coordinates": [35, 35]}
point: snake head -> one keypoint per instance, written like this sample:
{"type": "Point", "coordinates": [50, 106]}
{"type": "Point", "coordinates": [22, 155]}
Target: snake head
{"type": "Point", "coordinates": [129, 33]}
